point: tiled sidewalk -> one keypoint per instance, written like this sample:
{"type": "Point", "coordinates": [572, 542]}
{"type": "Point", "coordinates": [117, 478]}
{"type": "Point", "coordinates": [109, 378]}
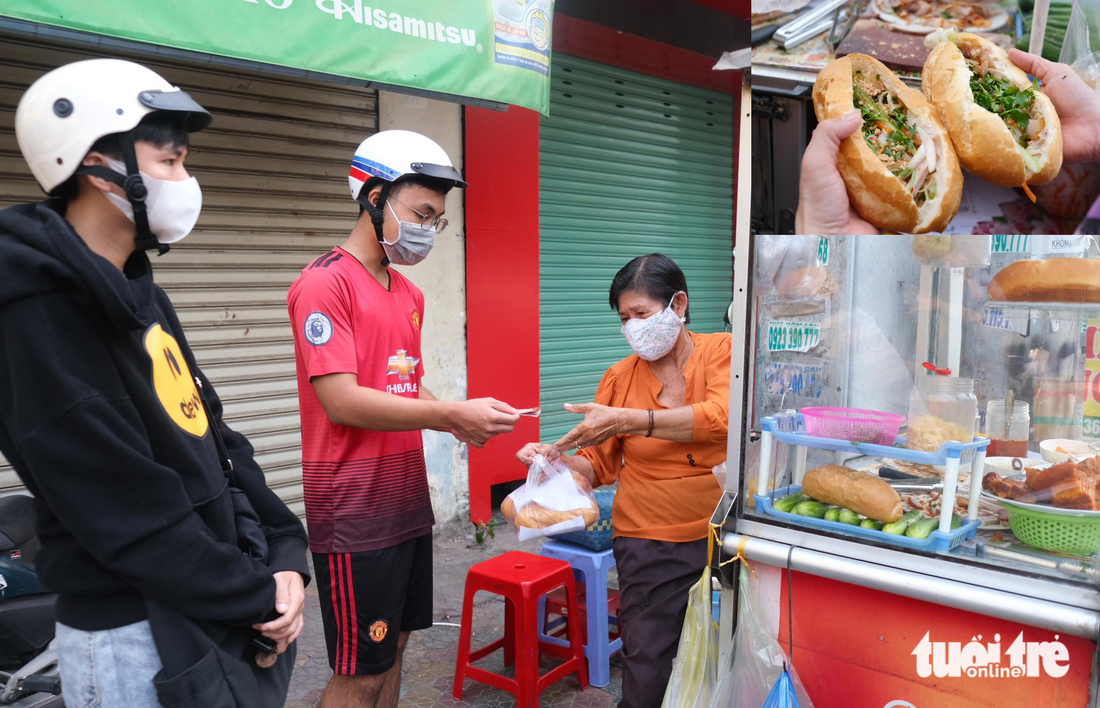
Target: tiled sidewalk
{"type": "Point", "coordinates": [428, 675]}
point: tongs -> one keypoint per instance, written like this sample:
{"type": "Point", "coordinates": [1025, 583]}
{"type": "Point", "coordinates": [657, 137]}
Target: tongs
{"type": "Point", "coordinates": [812, 23]}
{"type": "Point", "coordinates": [833, 39]}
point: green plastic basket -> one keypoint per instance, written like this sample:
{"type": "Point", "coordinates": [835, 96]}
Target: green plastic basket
{"type": "Point", "coordinates": [1075, 535]}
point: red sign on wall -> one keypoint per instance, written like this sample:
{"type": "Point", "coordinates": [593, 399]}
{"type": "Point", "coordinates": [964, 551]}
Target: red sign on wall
{"type": "Point", "coordinates": [858, 647]}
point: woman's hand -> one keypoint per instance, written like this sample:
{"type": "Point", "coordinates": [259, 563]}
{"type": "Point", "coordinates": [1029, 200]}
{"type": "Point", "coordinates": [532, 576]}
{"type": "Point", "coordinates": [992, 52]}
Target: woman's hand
{"type": "Point", "coordinates": [527, 453]}
{"type": "Point", "coordinates": [1078, 105]}
{"type": "Point", "coordinates": [823, 206]}
{"type": "Point", "coordinates": [600, 423]}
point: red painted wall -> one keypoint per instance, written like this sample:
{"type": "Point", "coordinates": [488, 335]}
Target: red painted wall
{"type": "Point", "coordinates": [502, 284]}
{"type": "Point", "coordinates": [853, 646]}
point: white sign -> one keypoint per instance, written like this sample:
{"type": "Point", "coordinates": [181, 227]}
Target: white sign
{"type": "Point", "coordinates": [788, 336]}
{"type": "Point", "coordinates": [1039, 245]}
{"type": "Point", "coordinates": [977, 660]}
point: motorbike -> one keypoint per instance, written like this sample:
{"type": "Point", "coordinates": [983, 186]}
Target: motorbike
{"type": "Point", "coordinates": [28, 661]}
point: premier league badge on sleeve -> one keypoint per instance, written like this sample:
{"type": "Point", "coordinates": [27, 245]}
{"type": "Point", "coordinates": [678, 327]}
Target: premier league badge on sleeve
{"type": "Point", "coordinates": [318, 329]}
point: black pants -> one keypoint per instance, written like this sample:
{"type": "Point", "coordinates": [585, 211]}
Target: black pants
{"type": "Point", "coordinates": [654, 580]}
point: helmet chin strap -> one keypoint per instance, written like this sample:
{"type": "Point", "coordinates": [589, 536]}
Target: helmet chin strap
{"type": "Point", "coordinates": [136, 192]}
{"type": "Point", "coordinates": [377, 215]}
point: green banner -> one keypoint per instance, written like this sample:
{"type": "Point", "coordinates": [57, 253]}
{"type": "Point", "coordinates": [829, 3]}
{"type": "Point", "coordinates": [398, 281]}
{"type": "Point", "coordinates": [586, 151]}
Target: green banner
{"type": "Point", "coordinates": [498, 50]}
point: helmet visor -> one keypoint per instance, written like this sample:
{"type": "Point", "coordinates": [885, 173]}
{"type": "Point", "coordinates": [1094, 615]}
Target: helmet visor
{"type": "Point", "coordinates": [197, 117]}
{"type": "Point", "coordinates": [439, 172]}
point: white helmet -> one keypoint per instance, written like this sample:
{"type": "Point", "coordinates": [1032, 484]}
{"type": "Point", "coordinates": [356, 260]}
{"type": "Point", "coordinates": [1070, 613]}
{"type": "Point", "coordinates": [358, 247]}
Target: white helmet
{"type": "Point", "coordinates": [390, 156]}
{"type": "Point", "coordinates": [393, 154]}
{"type": "Point", "coordinates": [62, 114]}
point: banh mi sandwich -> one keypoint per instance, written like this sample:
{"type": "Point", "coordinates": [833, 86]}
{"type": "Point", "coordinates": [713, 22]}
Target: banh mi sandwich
{"type": "Point", "coordinates": [1005, 130]}
{"type": "Point", "coordinates": [900, 168]}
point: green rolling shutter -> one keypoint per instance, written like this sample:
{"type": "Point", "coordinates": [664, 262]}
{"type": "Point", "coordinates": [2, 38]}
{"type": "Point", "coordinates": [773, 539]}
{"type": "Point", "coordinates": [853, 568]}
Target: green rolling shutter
{"type": "Point", "coordinates": [630, 164]}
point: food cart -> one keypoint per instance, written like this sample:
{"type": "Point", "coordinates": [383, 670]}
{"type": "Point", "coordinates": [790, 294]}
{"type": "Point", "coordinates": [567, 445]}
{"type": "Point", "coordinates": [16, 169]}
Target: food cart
{"type": "Point", "coordinates": [791, 49]}
{"type": "Point", "coordinates": [997, 601]}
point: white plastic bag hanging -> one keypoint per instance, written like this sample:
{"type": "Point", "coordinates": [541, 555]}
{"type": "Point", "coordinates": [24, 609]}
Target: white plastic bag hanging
{"type": "Point", "coordinates": [554, 500]}
{"type": "Point", "coordinates": [695, 670]}
{"type": "Point", "coordinates": [759, 660]}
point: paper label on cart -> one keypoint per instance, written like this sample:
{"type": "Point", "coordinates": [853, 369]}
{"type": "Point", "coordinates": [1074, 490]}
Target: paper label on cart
{"type": "Point", "coordinates": [997, 319]}
{"type": "Point", "coordinates": [802, 380]}
{"type": "Point", "coordinates": [986, 659]}
{"type": "Point", "coordinates": [787, 336]}
{"type": "Point", "coordinates": [525, 534]}
{"type": "Point", "coordinates": [1040, 245]}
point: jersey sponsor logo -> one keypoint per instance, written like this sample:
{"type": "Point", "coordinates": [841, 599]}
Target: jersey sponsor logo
{"type": "Point", "coordinates": [402, 364]}
{"type": "Point", "coordinates": [379, 630]}
{"type": "Point", "coordinates": [173, 382]}
{"type": "Point", "coordinates": [416, 319]}
{"type": "Point", "coordinates": [318, 329]}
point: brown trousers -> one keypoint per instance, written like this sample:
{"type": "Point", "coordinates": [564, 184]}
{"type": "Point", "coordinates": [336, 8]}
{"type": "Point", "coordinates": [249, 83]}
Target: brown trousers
{"type": "Point", "coordinates": [654, 580]}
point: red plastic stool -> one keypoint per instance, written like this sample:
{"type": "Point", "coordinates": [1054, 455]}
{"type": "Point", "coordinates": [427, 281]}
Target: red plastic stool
{"type": "Point", "coordinates": [522, 578]}
{"type": "Point", "coordinates": [557, 604]}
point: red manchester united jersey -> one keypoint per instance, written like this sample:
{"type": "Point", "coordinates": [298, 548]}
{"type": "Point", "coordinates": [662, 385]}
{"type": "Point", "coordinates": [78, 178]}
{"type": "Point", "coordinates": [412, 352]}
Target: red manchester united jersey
{"type": "Point", "coordinates": [364, 489]}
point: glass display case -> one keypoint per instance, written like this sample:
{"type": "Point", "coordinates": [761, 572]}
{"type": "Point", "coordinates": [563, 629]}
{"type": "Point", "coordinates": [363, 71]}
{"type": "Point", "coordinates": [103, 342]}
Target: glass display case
{"type": "Point", "coordinates": [923, 413]}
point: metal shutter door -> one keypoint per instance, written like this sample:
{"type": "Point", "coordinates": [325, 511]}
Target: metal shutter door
{"type": "Point", "coordinates": [630, 164]}
{"type": "Point", "coordinates": [273, 170]}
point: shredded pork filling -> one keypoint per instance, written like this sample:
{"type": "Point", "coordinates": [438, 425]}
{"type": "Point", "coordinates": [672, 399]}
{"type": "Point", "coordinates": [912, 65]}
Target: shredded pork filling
{"type": "Point", "coordinates": [907, 150]}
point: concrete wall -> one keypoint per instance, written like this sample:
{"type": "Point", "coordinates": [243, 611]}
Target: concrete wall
{"type": "Point", "coordinates": [442, 277]}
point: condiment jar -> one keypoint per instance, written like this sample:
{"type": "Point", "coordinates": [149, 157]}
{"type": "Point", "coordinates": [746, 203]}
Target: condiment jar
{"type": "Point", "coordinates": [942, 408]}
{"type": "Point", "coordinates": [1014, 441]}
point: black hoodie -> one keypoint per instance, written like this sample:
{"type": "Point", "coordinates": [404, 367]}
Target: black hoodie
{"type": "Point", "coordinates": [102, 423]}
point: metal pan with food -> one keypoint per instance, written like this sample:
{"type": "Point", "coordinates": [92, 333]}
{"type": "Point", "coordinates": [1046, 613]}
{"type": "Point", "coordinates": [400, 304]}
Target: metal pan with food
{"type": "Point", "coordinates": [1004, 129]}
{"type": "Point", "coordinates": [924, 16]}
{"type": "Point", "coordinates": [900, 169]}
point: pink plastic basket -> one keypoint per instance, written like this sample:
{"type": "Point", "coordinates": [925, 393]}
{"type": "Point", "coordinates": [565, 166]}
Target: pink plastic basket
{"type": "Point", "coordinates": [852, 424]}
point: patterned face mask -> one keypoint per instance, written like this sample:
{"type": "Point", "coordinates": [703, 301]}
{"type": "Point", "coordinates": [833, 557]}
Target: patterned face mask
{"type": "Point", "coordinates": [654, 336]}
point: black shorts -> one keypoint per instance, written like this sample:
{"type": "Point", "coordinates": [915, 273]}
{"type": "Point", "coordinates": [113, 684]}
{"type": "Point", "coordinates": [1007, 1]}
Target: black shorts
{"type": "Point", "coordinates": [368, 598]}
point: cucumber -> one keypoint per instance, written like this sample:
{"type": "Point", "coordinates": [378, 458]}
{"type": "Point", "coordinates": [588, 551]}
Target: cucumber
{"type": "Point", "coordinates": [812, 508]}
{"type": "Point", "coordinates": [899, 527]}
{"type": "Point", "coordinates": [922, 528]}
{"type": "Point", "coordinates": [847, 516]}
{"type": "Point", "coordinates": [956, 521]}
{"type": "Point", "coordinates": [832, 514]}
{"type": "Point", "coordinates": [871, 524]}
{"type": "Point", "coordinates": [1029, 160]}
{"type": "Point", "coordinates": [787, 504]}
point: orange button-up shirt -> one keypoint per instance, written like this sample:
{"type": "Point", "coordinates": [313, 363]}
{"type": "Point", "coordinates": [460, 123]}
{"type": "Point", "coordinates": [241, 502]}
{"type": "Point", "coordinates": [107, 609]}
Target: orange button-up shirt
{"type": "Point", "coordinates": [662, 496]}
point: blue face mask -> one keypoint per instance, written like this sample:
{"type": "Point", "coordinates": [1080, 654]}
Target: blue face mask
{"type": "Point", "coordinates": [413, 243]}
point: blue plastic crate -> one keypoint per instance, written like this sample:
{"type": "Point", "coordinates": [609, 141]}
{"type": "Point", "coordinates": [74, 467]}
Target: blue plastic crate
{"type": "Point", "coordinates": [596, 537]}
{"type": "Point", "coordinates": [936, 541]}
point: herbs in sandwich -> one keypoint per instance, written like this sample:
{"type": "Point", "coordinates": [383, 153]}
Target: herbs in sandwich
{"type": "Point", "coordinates": [907, 151]}
{"type": "Point", "coordinates": [1012, 104]}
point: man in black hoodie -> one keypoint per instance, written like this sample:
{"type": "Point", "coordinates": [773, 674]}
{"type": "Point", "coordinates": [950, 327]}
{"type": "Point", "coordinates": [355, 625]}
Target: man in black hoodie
{"type": "Point", "coordinates": [99, 410]}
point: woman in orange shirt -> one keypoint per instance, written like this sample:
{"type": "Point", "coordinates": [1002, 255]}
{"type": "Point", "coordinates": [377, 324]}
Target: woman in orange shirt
{"type": "Point", "coordinates": [658, 425]}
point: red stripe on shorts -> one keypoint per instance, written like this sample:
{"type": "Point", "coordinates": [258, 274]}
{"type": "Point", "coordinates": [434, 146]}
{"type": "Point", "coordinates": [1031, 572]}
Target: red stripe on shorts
{"type": "Point", "coordinates": [354, 616]}
{"type": "Point", "coordinates": [335, 604]}
{"type": "Point", "coordinates": [343, 620]}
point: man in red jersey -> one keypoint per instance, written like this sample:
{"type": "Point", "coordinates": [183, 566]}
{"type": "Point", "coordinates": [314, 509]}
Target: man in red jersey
{"type": "Point", "coordinates": [357, 329]}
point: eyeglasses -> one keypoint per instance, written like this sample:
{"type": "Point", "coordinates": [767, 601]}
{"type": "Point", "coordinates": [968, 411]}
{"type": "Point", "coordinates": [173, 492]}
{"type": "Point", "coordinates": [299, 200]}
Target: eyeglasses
{"type": "Point", "coordinates": [426, 222]}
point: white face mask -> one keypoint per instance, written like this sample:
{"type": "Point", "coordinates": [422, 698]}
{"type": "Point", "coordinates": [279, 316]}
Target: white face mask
{"type": "Point", "coordinates": [654, 336]}
{"type": "Point", "coordinates": [172, 207]}
{"type": "Point", "coordinates": [413, 242]}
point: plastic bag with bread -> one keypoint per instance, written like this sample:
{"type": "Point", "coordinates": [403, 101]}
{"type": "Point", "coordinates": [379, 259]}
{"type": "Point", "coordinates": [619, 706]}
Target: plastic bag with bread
{"type": "Point", "coordinates": [554, 500]}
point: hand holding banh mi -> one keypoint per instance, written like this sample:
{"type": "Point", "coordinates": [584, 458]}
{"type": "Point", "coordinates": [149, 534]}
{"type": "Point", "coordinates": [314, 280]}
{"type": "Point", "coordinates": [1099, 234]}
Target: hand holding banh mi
{"type": "Point", "coordinates": [1004, 129]}
{"type": "Point", "coordinates": [1077, 104]}
{"type": "Point", "coordinates": [900, 168]}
